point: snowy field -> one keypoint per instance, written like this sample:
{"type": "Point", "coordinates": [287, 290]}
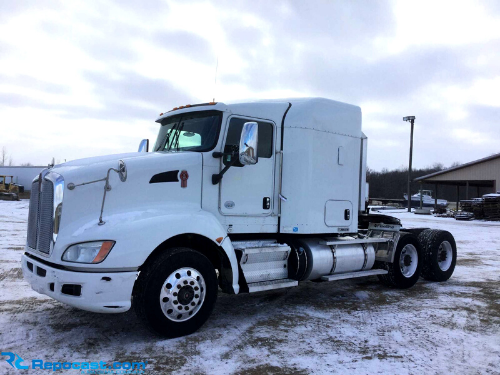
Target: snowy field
{"type": "Point", "coordinates": [352, 326]}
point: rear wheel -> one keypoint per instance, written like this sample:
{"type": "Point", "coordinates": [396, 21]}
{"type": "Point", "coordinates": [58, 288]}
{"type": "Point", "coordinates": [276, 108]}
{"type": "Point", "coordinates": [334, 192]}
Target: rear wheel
{"type": "Point", "coordinates": [176, 293]}
{"type": "Point", "coordinates": [407, 266]}
{"type": "Point", "coordinates": [440, 254]}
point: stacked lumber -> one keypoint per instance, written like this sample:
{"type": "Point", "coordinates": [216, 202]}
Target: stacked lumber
{"type": "Point", "coordinates": [466, 206]}
{"type": "Point", "coordinates": [491, 207]}
{"type": "Point", "coordinates": [474, 207]}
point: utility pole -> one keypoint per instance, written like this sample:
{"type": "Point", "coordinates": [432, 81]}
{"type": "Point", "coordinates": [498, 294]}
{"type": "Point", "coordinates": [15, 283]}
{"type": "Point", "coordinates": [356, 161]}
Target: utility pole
{"type": "Point", "coordinates": [411, 119]}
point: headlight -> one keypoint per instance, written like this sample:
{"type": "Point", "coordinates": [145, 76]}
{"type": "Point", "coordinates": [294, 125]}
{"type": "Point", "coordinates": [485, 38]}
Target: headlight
{"type": "Point", "coordinates": [88, 252]}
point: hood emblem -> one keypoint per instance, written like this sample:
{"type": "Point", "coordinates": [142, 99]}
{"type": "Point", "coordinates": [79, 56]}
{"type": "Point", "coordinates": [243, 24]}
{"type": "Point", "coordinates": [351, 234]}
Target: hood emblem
{"type": "Point", "coordinates": [184, 177]}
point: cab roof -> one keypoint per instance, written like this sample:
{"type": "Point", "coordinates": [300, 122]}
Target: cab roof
{"type": "Point", "coordinates": [310, 113]}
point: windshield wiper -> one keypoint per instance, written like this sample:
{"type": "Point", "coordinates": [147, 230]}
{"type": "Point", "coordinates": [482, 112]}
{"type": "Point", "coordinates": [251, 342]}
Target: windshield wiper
{"type": "Point", "coordinates": [175, 141]}
{"type": "Point", "coordinates": [167, 138]}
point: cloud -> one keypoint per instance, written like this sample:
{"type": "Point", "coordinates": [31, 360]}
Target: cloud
{"type": "Point", "coordinates": [113, 63]}
{"type": "Point", "coordinates": [186, 44]}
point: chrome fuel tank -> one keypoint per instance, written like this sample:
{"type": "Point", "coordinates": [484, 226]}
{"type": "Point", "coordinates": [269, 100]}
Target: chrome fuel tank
{"type": "Point", "coordinates": [335, 259]}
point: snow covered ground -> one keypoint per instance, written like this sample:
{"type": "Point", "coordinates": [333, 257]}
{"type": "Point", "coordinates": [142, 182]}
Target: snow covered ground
{"type": "Point", "coordinates": [352, 326]}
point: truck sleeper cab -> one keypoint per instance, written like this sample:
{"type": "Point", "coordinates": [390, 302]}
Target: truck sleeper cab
{"type": "Point", "coordinates": [246, 197]}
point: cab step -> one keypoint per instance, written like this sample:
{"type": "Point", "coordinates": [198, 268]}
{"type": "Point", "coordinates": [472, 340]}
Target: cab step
{"type": "Point", "coordinates": [262, 261]}
{"type": "Point", "coordinates": [273, 284]}
{"type": "Point", "coordinates": [353, 275]}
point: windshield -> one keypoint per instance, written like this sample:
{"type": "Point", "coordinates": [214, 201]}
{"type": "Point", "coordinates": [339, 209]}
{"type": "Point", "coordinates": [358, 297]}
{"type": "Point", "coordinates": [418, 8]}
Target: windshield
{"type": "Point", "coordinates": [195, 131]}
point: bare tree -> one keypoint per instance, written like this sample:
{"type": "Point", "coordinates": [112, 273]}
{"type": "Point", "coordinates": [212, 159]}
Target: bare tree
{"type": "Point", "coordinates": [3, 156]}
{"type": "Point", "coordinates": [28, 164]}
{"type": "Point", "coordinates": [11, 162]}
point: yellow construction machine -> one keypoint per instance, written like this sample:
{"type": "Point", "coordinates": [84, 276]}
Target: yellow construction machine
{"type": "Point", "coordinates": [9, 191]}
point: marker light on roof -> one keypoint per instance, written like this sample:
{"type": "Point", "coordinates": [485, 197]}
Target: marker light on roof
{"type": "Point", "coordinates": [192, 105]}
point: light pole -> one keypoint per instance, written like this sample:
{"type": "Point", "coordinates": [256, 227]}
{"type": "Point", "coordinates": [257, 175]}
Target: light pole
{"type": "Point", "coordinates": [412, 120]}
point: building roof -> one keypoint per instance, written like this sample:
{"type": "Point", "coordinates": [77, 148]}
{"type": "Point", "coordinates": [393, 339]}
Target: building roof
{"type": "Point", "coordinates": [461, 166]}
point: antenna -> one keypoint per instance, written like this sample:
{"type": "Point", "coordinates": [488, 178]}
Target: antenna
{"type": "Point", "coordinates": [215, 82]}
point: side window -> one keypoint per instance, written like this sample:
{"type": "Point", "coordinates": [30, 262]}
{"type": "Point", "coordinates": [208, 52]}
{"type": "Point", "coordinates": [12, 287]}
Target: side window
{"type": "Point", "coordinates": [265, 148]}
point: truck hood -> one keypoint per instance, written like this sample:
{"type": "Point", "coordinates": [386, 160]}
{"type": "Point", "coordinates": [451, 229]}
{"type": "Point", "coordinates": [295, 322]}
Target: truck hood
{"type": "Point", "coordinates": [90, 169]}
{"type": "Point", "coordinates": [156, 183]}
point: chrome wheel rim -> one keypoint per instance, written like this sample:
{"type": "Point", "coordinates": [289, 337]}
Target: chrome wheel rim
{"type": "Point", "coordinates": [182, 294]}
{"type": "Point", "coordinates": [408, 260]}
{"type": "Point", "coordinates": [445, 256]}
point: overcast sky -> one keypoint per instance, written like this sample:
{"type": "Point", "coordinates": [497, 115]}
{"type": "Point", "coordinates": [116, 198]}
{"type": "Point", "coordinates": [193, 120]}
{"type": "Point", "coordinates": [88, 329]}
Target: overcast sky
{"type": "Point", "coordinates": [85, 78]}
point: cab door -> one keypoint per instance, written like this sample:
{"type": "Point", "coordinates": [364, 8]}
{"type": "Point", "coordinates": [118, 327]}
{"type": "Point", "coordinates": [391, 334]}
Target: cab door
{"type": "Point", "coordinates": [248, 190]}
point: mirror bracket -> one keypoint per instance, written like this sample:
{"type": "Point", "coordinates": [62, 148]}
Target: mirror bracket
{"type": "Point", "coordinates": [218, 176]}
{"type": "Point", "coordinates": [218, 155]}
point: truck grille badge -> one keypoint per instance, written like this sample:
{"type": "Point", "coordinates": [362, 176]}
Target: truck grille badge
{"type": "Point", "coordinates": [184, 177]}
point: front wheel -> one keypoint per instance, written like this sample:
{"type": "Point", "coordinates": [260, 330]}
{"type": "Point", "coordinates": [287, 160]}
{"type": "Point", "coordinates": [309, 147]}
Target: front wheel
{"type": "Point", "coordinates": [176, 293]}
{"type": "Point", "coordinates": [407, 266]}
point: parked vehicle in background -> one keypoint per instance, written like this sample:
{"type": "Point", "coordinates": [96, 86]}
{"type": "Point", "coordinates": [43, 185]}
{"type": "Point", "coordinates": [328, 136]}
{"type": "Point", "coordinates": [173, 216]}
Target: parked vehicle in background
{"type": "Point", "coordinates": [8, 189]}
{"type": "Point", "coordinates": [425, 196]}
{"type": "Point", "coordinates": [244, 197]}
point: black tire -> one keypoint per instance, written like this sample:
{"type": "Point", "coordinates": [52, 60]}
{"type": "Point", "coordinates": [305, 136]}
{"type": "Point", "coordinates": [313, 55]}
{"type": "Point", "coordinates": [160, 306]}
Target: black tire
{"type": "Point", "coordinates": [146, 295]}
{"type": "Point", "coordinates": [395, 277]}
{"type": "Point", "coordinates": [437, 246]}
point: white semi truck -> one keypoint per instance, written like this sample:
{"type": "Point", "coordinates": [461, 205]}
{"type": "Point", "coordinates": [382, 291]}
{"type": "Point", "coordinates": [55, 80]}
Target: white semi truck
{"type": "Point", "coordinates": [243, 197]}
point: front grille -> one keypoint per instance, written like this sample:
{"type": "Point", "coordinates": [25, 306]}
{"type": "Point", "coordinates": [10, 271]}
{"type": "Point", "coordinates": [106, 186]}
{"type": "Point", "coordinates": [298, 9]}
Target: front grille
{"type": "Point", "coordinates": [46, 219]}
{"type": "Point", "coordinates": [33, 215]}
{"type": "Point", "coordinates": [40, 219]}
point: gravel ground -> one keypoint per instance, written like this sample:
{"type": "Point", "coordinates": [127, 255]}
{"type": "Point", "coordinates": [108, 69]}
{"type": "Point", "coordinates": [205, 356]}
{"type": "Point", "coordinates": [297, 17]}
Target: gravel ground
{"type": "Point", "coordinates": [353, 326]}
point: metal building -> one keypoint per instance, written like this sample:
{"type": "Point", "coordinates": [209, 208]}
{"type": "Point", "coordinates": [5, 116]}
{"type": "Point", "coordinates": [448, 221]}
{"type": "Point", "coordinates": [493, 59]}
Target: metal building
{"type": "Point", "coordinates": [482, 173]}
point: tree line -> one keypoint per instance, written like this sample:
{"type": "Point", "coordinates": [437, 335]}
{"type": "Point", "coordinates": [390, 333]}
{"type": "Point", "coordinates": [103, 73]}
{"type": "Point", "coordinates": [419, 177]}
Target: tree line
{"type": "Point", "coordinates": [392, 184]}
{"type": "Point", "coordinates": [7, 160]}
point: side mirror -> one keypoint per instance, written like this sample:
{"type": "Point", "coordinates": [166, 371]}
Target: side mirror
{"type": "Point", "coordinates": [144, 145]}
{"type": "Point", "coordinates": [248, 143]}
